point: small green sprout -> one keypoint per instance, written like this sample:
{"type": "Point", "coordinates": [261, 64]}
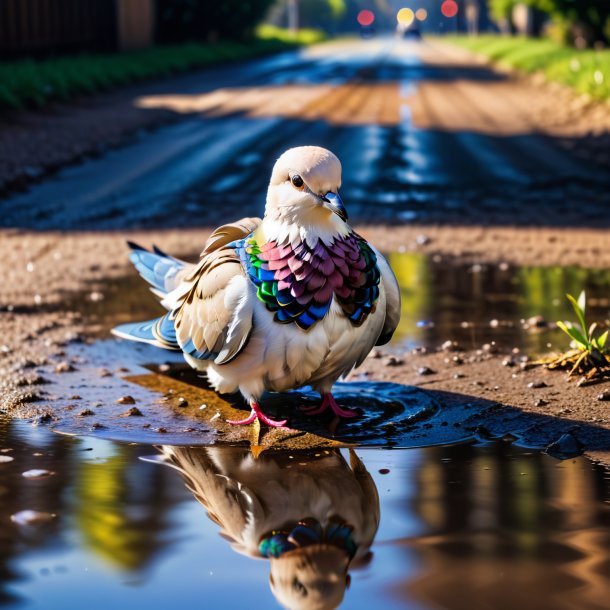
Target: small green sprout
{"type": "Point", "coordinates": [584, 339]}
{"type": "Point", "coordinates": [591, 350]}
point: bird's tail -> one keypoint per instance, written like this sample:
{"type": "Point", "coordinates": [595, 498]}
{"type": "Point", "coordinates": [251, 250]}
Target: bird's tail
{"type": "Point", "coordinates": [160, 332]}
{"type": "Point", "coordinates": [161, 271]}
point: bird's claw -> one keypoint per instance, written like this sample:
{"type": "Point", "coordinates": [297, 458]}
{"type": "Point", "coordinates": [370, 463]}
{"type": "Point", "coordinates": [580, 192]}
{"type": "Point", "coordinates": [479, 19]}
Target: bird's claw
{"type": "Point", "coordinates": [257, 413]}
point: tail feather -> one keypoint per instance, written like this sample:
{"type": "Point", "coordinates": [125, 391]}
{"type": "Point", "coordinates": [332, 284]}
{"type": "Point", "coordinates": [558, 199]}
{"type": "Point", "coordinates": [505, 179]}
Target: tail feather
{"type": "Point", "coordinates": [156, 267]}
{"type": "Point", "coordinates": [159, 332]}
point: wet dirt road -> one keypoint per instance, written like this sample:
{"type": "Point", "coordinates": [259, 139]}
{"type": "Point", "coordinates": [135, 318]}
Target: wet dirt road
{"type": "Point", "coordinates": [424, 135]}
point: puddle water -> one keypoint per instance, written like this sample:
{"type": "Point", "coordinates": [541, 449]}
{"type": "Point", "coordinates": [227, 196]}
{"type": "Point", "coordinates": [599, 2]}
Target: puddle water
{"type": "Point", "coordinates": [455, 527]}
{"type": "Point", "coordinates": [442, 300]}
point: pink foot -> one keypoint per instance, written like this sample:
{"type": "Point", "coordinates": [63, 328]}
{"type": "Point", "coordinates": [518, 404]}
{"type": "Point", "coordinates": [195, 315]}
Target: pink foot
{"type": "Point", "coordinates": [328, 400]}
{"type": "Point", "coordinates": [257, 413]}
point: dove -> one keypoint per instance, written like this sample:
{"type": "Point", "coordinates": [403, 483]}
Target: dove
{"type": "Point", "coordinates": [294, 299]}
{"type": "Point", "coordinates": [314, 519]}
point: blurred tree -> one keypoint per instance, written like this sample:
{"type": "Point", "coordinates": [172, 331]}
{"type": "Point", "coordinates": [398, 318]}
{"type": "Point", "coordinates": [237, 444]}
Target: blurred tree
{"type": "Point", "coordinates": [502, 11]}
{"type": "Point", "coordinates": [316, 14]}
{"type": "Point", "coordinates": [184, 20]}
{"type": "Point", "coordinates": [580, 22]}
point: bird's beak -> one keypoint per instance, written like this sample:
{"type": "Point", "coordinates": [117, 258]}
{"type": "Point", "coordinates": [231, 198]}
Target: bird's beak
{"type": "Point", "coordinates": [332, 201]}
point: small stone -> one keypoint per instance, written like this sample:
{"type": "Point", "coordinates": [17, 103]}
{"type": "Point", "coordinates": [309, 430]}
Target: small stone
{"type": "Point", "coordinates": [97, 426]}
{"type": "Point", "coordinates": [126, 400]}
{"type": "Point", "coordinates": [104, 373]}
{"type": "Point", "coordinates": [458, 360]}
{"type": "Point", "coordinates": [604, 396]}
{"type": "Point", "coordinates": [422, 240]}
{"type": "Point", "coordinates": [164, 368]}
{"type": "Point", "coordinates": [425, 370]}
{"type": "Point", "coordinates": [96, 297]}
{"type": "Point", "coordinates": [6, 458]}
{"type": "Point", "coordinates": [458, 375]}
{"type": "Point", "coordinates": [537, 384]}
{"type": "Point", "coordinates": [183, 402]}
{"type": "Point", "coordinates": [75, 397]}
{"type": "Point", "coordinates": [541, 402]}
{"type": "Point", "coordinates": [384, 471]}
{"type": "Point", "coordinates": [450, 346]}
{"type": "Point", "coordinates": [490, 348]}
{"type": "Point", "coordinates": [376, 353]}
{"type": "Point", "coordinates": [37, 473]}
{"type": "Point", "coordinates": [133, 412]}
{"type": "Point", "coordinates": [393, 361]}
{"type": "Point", "coordinates": [32, 517]}
{"type": "Point", "coordinates": [64, 367]}
{"type": "Point", "coordinates": [161, 430]}
{"type": "Point", "coordinates": [86, 413]}
{"type": "Point", "coordinates": [508, 362]}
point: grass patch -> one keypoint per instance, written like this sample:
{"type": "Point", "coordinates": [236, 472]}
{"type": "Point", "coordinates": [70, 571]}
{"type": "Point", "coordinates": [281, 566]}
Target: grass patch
{"type": "Point", "coordinates": [586, 71]}
{"type": "Point", "coordinates": [29, 83]}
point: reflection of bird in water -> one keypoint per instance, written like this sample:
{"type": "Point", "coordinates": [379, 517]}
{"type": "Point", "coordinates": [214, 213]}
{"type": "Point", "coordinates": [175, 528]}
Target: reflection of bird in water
{"type": "Point", "coordinates": [297, 298]}
{"type": "Point", "coordinates": [312, 515]}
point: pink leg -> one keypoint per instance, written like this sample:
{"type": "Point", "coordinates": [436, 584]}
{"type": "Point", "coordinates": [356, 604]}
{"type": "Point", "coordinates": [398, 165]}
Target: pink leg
{"type": "Point", "coordinates": [257, 413]}
{"type": "Point", "coordinates": [328, 400]}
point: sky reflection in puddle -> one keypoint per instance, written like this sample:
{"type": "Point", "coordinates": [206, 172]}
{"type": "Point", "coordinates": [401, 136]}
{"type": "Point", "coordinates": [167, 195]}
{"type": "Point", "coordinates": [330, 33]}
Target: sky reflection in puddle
{"type": "Point", "coordinates": [460, 527]}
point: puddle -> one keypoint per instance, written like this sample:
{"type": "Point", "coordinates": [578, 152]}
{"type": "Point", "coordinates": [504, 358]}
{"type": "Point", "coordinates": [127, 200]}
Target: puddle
{"type": "Point", "coordinates": [458, 527]}
{"type": "Point", "coordinates": [134, 392]}
{"type": "Point", "coordinates": [442, 300]}
{"type": "Point", "coordinates": [477, 304]}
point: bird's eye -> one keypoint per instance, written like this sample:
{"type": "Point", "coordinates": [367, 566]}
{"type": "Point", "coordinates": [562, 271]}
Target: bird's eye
{"type": "Point", "coordinates": [297, 182]}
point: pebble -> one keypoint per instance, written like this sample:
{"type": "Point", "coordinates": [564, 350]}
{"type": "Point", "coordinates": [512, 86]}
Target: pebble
{"type": "Point", "coordinates": [384, 471]}
{"type": "Point", "coordinates": [164, 368]}
{"type": "Point", "coordinates": [86, 413]}
{"type": "Point", "coordinates": [425, 370]}
{"type": "Point", "coordinates": [133, 412]}
{"type": "Point", "coordinates": [104, 373]}
{"type": "Point", "coordinates": [37, 473]}
{"type": "Point", "coordinates": [32, 517]}
{"type": "Point", "coordinates": [541, 402]}
{"type": "Point", "coordinates": [126, 400]}
{"type": "Point", "coordinates": [393, 361]}
{"type": "Point", "coordinates": [508, 362]}
{"type": "Point", "coordinates": [64, 367]}
{"type": "Point", "coordinates": [183, 402]}
{"type": "Point", "coordinates": [5, 458]}
{"type": "Point", "coordinates": [537, 384]}
{"type": "Point", "coordinates": [450, 346]}
{"type": "Point", "coordinates": [604, 396]}
{"type": "Point", "coordinates": [458, 375]}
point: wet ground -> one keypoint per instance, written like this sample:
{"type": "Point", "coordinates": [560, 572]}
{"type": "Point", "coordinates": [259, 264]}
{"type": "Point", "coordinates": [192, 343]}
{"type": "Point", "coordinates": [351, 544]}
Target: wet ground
{"type": "Point", "coordinates": [423, 134]}
{"type": "Point", "coordinates": [466, 526]}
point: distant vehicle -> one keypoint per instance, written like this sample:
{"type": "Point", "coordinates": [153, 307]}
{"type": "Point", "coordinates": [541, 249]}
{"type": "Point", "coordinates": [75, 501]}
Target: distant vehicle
{"type": "Point", "coordinates": [412, 33]}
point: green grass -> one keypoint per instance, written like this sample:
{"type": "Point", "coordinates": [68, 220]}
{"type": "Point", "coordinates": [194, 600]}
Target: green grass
{"type": "Point", "coordinates": [586, 71]}
{"type": "Point", "coordinates": [29, 83]}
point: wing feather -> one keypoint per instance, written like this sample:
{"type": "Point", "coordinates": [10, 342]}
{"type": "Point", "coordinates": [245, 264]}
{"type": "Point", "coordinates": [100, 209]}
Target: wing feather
{"type": "Point", "coordinates": [392, 295]}
{"type": "Point", "coordinates": [213, 306]}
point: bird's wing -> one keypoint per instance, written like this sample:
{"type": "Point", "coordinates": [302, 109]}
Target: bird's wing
{"type": "Point", "coordinates": [392, 297]}
{"type": "Point", "coordinates": [228, 502]}
{"type": "Point", "coordinates": [231, 232]}
{"type": "Point", "coordinates": [213, 306]}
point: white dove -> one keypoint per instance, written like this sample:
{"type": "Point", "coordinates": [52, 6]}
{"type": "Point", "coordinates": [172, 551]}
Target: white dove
{"type": "Point", "coordinates": [313, 518]}
{"type": "Point", "coordinates": [295, 299]}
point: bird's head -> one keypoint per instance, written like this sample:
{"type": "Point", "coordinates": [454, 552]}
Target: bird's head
{"type": "Point", "coordinates": [310, 578]}
{"type": "Point", "coordinates": [304, 189]}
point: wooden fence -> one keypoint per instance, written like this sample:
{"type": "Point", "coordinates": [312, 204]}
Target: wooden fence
{"type": "Point", "coordinates": [36, 27]}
